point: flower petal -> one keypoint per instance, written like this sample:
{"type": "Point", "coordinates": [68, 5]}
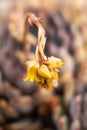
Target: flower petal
{"type": "Point", "coordinates": [59, 64]}
{"type": "Point", "coordinates": [32, 63]}
{"type": "Point", "coordinates": [31, 72]}
{"type": "Point", "coordinates": [44, 71]}
{"type": "Point", "coordinates": [54, 63]}
{"type": "Point", "coordinates": [55, 75]}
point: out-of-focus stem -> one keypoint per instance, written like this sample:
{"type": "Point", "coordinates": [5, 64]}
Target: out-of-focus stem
{"type": "Point", "coordinates": [25, 36]}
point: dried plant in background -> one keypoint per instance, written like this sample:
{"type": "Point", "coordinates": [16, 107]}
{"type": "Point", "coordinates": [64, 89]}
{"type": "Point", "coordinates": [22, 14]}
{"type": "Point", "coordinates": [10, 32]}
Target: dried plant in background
{"type": "Point", "coordinates": [22, 104]}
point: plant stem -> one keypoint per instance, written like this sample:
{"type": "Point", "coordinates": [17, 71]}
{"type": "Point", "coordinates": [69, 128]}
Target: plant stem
{"type": "Point", "coordinates": [32, 19]}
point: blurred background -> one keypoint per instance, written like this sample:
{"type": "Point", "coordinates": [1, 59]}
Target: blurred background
{"type": "Point", "coordinates": [24, 106]}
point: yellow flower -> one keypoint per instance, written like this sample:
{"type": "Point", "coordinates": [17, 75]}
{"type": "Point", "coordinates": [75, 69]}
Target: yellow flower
{"type": "Point", "coordinates": [43, 74]}
{"type": "Point", "coordinates": [43, 70]}
{"type": "Point", "coordinates": [54, 63]}
{"type": "Point", "coordinates": [32, 67]}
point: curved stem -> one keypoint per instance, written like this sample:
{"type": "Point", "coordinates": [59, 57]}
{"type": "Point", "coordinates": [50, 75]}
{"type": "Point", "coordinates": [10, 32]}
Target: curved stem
{"type": "Point", "coordinates": [32, 19]}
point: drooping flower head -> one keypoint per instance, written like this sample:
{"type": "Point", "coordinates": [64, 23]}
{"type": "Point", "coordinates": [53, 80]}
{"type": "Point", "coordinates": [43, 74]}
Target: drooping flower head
{"type": "Point", "coordinates": [42, 69]}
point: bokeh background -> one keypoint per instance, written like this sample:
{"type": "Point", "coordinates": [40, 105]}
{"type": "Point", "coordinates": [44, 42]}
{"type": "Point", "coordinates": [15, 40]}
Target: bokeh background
{"type": "Point", "coordinates": [24, 106]}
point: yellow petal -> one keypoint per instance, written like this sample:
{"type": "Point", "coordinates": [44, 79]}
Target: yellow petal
{"type": "Point", "coordinates": [30, 76]}
{"type": "Point", "coordinates": [31, 73]}
{"type": "Point", "coordinates": [54, 62]}
{"type": "Point", "coordinates": [55, 75]}
{"type": "Point", "coordinates": [44, 71]}
{"type": "Point", "coordinates": [59, 64]}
